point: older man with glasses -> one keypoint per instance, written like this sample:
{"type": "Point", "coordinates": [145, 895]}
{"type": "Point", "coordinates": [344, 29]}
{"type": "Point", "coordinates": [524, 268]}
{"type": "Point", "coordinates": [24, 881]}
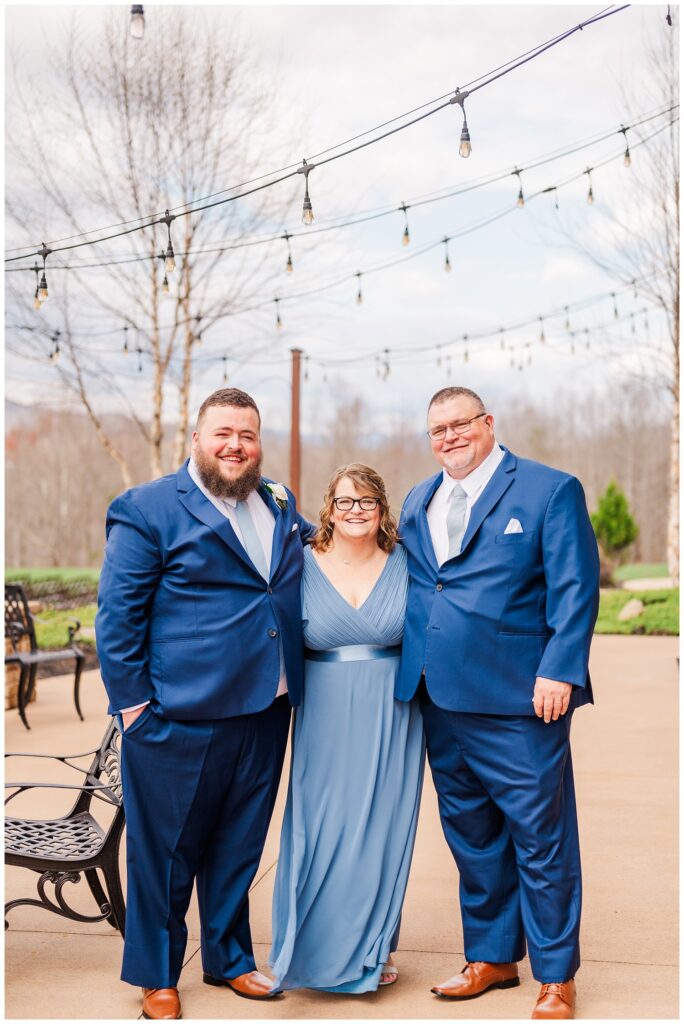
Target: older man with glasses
{"type": "Point", "coordinates": [504, 576]}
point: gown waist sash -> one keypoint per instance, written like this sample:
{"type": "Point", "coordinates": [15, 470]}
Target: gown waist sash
{"type": "Point", "coordinates": [353, 652]}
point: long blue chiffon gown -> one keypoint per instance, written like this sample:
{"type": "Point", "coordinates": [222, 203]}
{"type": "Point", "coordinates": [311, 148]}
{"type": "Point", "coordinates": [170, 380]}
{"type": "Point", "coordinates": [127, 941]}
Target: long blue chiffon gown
{"type": "Point", "coordinates": [355, 782]}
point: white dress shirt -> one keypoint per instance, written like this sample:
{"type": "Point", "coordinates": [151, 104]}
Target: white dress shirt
{"type": "Point", "coordinates": [473, 485]}
{"type": "Point", "coordinates": [264, 524]}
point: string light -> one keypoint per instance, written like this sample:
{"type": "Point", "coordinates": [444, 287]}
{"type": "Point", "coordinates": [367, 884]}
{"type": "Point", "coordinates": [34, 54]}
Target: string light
{"type": "Point", "coordinates": [502, 333]}
{"type": "Point", "coordinates": [306, 367]}
{"type": "Point", "coordinates": [386, 369]}
{"type": "Point", "coordinates": [465, 148]}
{"type": "Point", "coordinates": [43, 286]}
{"type": "Point", "coordinates": [521, 197]}
{"type": "Point", "coordinates": [405, 238]}
{"type": "Point", "coordinates": [566, 310]}
{"type": "Point", "coordinates": [590, 193]}
{"type": "Point", "coordinates": [307, 208]}
{"type": "Point", "coordinates": [36, 299]}
{"type": "Point", "coordinates": [616, 312]}
{"type": "Point", "coordinates": [554, 189]}
{"type": "Point", "coordinates": [668, 16]}
{"type": "Point", "coordinates": [279, 322]}
{"type": "Point", "coordinates": [288, 266]}
{"type": "Point", "coordinates": [170, 264]}
{"type": "Point", "coordinates": [139, 351]}
{"type": "Point", "coordinates": [447, 264]}
{"type": "Point", "coordinates": [634, 286]}
{"type": "Point", "coordinates": [225, 369]}
{"type": "Point", "coordinates": [542, 338]}
{"type": "Point", "coordinates": [137, 21]}
{"type": "Point", "coordinates": [359, 294]}
{"type": "Point", "coordinates": [54, 355]}
{"type": "Point", "coordinates": [465, 351]}
{"type": "Point", "coordinates": [627, 159]}
{"type": "Point", "coordinates": [586, 337]}
{"type": "Point", "coordinates": [125, 343]}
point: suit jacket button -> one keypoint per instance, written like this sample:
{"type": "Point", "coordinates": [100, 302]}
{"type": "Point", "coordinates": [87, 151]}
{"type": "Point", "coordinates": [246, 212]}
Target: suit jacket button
{"type": "Point", "coordinates": [439, 586]}
{"type": "Point", "coordinates": [273, 632]}
{"type": "Point", "coordinates": [270, 590]}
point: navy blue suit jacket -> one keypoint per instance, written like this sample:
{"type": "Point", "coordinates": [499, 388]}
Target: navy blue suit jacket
{"type": "Point", "coordinates": [511, 606]}
{"type": "Point", "coordinates": [184, 618]}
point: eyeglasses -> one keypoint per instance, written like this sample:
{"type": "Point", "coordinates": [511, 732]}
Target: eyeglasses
{"type": "Point", "coordinates": [347, 504]}
{"type": "Point", "coordinates": [462, 427]}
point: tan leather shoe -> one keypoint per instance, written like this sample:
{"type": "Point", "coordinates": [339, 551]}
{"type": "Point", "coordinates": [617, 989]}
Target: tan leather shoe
{"type": "Point", "coordinates": [556, 1002]}
{"type": "Point", "coordinates": [253, 985]}
{"type": "Point", "coordinates": [161, 1004]}
{"type": "Point", "coordinates": [477, 978]}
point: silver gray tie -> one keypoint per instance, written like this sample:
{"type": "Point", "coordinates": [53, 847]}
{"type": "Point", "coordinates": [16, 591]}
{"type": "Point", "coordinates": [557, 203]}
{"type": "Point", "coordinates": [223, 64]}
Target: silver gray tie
{"type": "Point", "coordinates": [250, 538]}
{"type": "Point", "coordinates": [456, 515]}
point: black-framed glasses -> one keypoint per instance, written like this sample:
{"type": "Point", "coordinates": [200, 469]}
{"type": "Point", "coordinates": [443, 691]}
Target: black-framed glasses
{"type": "Point", "coordinates": [462, 427]}
{"type": "Point", "coordinates": [367, 504]}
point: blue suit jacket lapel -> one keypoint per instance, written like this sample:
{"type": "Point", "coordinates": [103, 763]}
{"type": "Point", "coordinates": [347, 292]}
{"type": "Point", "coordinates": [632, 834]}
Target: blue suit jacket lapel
{"type": "Point", "coordinates": [423, 525]}
{"type": "Point", "coordinates": [281, 520]}
{"type": "Point", "coordinates": [497, 486]}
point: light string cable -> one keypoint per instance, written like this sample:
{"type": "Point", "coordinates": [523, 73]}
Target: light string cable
{"type": "Point", "coordinates": [363, 217]}
{"type": "Point", "coordinates": [459, 97]}
{"type": "Point", "coordinates": [500, 332]}
{"type": "Point", "coordinates": [392, 263]}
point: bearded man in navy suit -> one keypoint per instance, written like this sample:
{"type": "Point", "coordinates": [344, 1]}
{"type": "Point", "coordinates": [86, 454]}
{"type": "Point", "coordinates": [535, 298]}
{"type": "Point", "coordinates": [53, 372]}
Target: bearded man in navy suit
{"type": "Point", "coordinates": [200, 644]}
{"type": "Point", "coordinates": [503, 598]}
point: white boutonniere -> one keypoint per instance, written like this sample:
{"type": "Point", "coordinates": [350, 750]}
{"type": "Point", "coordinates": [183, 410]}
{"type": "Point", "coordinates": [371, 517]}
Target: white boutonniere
{"type": "Point", "coordinates": [279, 494]}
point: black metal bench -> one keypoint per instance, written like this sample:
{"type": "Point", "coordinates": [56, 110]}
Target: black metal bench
{"type": "Point", "coordinates": [61, 849]}
{"type": "Point", "coordinates": [19, 623]}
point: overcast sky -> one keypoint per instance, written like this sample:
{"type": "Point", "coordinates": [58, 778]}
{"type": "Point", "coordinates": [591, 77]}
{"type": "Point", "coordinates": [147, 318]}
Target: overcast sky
{"type": "Point", "coordinates": [343, 69]}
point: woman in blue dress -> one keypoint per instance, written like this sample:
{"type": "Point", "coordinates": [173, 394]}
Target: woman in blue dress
{"type": "Point", "coordinates": [357, 755]}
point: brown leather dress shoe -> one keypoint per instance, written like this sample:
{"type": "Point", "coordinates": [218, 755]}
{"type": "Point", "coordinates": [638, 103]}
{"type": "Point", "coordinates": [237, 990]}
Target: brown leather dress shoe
{"type": "Point", "coordinates": [253, 985]}
{"type": "Point", "coordinates": [477, 978]}
{"type": "Point", "coordinates": [556, 1002]}
{"type": "Point", "coordinates": [161, 1004]}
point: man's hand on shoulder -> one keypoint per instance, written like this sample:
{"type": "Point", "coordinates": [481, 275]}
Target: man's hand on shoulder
{"type": "Point", "coordinates": [551, 698]}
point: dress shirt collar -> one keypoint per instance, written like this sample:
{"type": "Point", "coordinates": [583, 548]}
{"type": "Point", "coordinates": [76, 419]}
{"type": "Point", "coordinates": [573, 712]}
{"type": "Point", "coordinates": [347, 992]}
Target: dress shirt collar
{"type": "Point", "coordinates": [475, 481]}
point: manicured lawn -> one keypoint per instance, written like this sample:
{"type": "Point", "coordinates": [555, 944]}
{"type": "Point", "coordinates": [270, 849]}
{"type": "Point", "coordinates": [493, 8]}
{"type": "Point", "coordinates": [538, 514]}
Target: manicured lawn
{"type": "Point", "coordinates": [659, 617]}
{"type": "Point", "coordinates": [641, 571]}
{"type": "Point", "coordinates": [53, 631]}
{"type": "Point", "coordinates": [39, 575]}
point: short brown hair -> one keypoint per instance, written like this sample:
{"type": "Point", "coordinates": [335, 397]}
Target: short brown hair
{"type": "Point", "coordinates": [228, 396]}
{"type": "Point", "coordinates": [446, 393]}
{"type": "Point", "coordinates": [365, 479]}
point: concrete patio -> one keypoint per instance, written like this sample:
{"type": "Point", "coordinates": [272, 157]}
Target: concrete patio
{"type": "Point", "coordinates": [625, 755]}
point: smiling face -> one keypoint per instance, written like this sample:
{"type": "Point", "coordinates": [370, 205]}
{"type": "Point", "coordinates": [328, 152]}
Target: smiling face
{"type": "Point", "coordinates": [226, 448]}
{"type": "Point", "coordinates": [461, 453]}
{"type": "Point", "coordinates": [356, 524]}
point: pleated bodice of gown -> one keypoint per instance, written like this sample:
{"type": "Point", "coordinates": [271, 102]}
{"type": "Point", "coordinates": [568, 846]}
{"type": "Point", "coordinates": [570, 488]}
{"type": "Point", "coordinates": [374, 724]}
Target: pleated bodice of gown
{"type": "Point", "coordinates": [352, 806]}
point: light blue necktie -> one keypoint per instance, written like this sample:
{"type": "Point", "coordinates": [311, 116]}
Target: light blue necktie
{"type": "Point", "coordinates": [250, 538]}
{"type": "Point", "coordinates": [458, 504]}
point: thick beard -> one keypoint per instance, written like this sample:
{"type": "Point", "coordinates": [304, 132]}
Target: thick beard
{"type": "Point", "coordinates": [240, 488]}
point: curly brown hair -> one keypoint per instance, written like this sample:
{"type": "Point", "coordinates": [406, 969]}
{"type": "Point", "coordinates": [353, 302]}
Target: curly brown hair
{"type": "Point", "coordinates": [367, 482]}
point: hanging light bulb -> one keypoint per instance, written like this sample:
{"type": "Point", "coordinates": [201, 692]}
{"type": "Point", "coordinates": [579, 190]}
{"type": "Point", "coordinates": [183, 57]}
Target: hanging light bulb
{"type": "Point", "coordinates": [359, 294]}
{"type": "Point", "coordinates": [464, 148]}
{"type": "Point", "coordinates": [307, 209]}
{"type": "Point", "coordinates": [616, 311]}
{"type": "Point", "coordinates": [634, 286]}
{"type": "Point", "coordinates": [306, 367]}
{"type": "Point", "coordinates": [288, 266]}
{"type": "Point", "coordinates": [542, 336]}
{"type": "Point", "coordinates": [165, 285]}
{"type": "Point", "coordinates": [627, 158]}
{"type": "Point", "coordinates": [567, 317]}
{"type": "Point", "coordinates": [405, 238]}
{"type": "Point", "coordinates": [447, 264]}
{"type": "Point", "coordinates": [590, 193]}
{"type": "Point", "coordinates": [386, 371]}
{"type": "Point", "coordinates": [139, 351]}
{"type": "Point", "coordinates": [137, 21]}
{"type": "Point", "coordinates": [36, 299]}
{"type": "Point", "coordinates": [521, 198]}
{"type": "Point", "coordinates": [43, 287]}
{"type": "Point", "coordinates": [279, 322]}
{"type": "Point", "coordinates": [54, 355]}
{"type": "Point", "coordinates": [668, 16]}
{"type": "Point", "coordinates": [378, 372]}
{"type": "Point", "coordinates": [586, 337]}
{"type": "Point", "coordinates": [503, 339]}
{"type": "Point", "coordinates": [225, 369]}
{"type": "Point", "coordinates": [125, 344]}
{"type": "Point", "coordinates": [169, 257]}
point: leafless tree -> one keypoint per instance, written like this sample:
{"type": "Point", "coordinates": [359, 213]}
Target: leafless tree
{"type": "Point", "coordinates": [137, 127]}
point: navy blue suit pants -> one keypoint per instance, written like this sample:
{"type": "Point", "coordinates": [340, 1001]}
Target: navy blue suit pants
{"type": "Point", "coordinates": [198, 797]}
{"type": "Point", "coordinates": [507, 805]}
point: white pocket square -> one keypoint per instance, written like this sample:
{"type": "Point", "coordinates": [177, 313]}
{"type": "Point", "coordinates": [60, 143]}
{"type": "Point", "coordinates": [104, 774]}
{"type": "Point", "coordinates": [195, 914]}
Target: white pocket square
{"type": "Point", "coordinates": [513, 526]}
{"type": "Point", "coordinates": [295, 527]}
